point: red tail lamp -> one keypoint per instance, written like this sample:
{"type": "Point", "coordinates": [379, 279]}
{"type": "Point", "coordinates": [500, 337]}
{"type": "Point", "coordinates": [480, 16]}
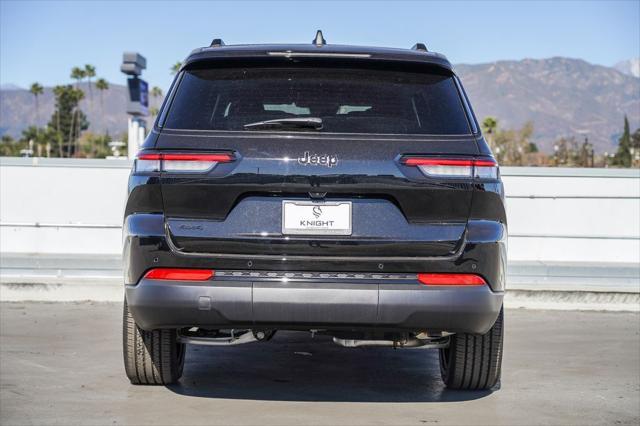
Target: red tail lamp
{"type": "Point", "coordinates": [481, 168]}
{"type": "Point", "coordinates": [176, 274]}
{"type": "Point", "coordinates": [179, 162]}
{"type": "Point", "coordinates": [451, 279]}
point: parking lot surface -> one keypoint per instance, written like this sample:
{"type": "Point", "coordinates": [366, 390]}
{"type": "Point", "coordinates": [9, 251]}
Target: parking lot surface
{"type": "Point", "coordinates": [61, 363]}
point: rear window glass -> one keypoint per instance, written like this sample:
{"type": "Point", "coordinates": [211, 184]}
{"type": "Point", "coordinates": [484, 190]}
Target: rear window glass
{"type": "Point", "coordinates": [347, 100]}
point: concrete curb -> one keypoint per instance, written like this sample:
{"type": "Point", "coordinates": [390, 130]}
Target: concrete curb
{"type": "Point", "coordinates": [572, 300]}
{"type": "Point", "coordinates": [100, 290]}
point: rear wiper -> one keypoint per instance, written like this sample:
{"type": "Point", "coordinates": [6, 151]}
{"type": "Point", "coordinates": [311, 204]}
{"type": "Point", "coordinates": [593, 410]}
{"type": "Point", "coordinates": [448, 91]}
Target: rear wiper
{"type": "Point", "coordinates": [312, 123]}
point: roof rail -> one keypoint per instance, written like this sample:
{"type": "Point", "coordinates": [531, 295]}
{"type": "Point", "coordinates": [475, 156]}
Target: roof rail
{"type": "Point", "coordinates": [217, 42]}
{"type": "Point", "coordinates": [319, 39]}
{"type": "Point", "coordinates": [420, 46]}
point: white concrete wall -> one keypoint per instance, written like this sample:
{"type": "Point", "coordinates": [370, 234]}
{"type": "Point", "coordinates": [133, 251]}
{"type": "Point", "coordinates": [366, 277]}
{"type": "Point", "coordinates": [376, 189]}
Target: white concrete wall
{"type": "Point", "coordinates": [558, 215]}
{"type": "Point", "coordinates": [62, 206]}
{"type": "Point", "coordinates": [573, 215]}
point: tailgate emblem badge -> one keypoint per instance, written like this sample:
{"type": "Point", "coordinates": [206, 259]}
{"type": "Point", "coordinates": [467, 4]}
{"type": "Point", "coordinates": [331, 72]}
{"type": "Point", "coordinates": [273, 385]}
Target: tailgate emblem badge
{"type": "Point", "coordinates": [327, 160]}
{"type": "Point", "coordinates": [317, 211]}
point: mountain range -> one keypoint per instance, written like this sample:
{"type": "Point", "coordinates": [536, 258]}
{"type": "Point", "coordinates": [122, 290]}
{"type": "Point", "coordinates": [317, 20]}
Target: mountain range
{"type": "Point", "coordinates": [630, 67]}
{"type": "Point", "coordinates": [562, 96]}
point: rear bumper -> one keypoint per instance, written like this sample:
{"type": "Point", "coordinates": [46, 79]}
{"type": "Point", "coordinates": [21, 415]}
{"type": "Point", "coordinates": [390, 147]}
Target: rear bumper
{"type": "Point", "coordinates": [237, 303]}
{"type": "Point", "coordinates": [263, 292]}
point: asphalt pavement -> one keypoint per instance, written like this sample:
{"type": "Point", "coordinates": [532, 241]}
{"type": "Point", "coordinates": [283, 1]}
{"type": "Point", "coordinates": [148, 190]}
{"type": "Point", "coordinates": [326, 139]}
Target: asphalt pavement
{"type": "Point", "coordinates": [61, 363]}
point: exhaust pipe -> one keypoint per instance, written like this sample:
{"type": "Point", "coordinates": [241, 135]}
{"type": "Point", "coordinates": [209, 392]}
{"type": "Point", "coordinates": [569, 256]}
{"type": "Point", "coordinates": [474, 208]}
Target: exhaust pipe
{"type": "Point", "coordinates": [441, 342]}
{"type": "Point", "coordinates": [245, 336]}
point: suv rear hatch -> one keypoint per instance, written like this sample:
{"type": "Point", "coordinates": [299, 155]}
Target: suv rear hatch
{"type": "Point", "coordinates": [384, 153]}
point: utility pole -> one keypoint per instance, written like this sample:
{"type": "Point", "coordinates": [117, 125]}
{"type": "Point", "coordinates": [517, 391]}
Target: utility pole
{"type": "Point", "coordinates": [138, 106]}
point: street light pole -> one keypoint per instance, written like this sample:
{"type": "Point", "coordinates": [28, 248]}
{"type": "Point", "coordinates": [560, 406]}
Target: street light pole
{"type": "Point", "coordinates": [138, 106]}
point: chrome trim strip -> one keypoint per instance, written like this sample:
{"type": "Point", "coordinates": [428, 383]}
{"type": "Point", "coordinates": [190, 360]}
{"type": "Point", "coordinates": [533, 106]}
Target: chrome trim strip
{"type": "Point", "coordinates": [177, 251]}
{"type": "Point", "coordinates": [309, 276]}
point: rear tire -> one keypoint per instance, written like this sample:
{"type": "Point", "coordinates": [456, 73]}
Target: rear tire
{"type": "Point", "coordinates": [150, 357]}
{"type": "Point", "coordinates": [473, 362]}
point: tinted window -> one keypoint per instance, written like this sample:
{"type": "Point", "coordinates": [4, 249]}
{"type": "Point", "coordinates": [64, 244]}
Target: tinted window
{"type": "Point", "coordinates": [347, 100]}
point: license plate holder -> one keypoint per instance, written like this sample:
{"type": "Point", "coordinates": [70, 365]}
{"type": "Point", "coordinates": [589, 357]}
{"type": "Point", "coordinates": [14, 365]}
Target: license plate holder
{"type": "Point", "coordinates": [316, 217]}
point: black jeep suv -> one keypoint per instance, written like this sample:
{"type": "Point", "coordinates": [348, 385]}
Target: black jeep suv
{"type": "Point", "coordinates": [341, 190]}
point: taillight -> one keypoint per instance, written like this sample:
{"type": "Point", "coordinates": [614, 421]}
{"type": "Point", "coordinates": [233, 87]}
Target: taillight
{"type": "Point", "coordinates": [454, 167]}
{"type": "Point", "coordinates": [176, 274]}
{"type": "Point", "coordinates": [179, 162]}
{"type": "Point", "coordinates": [451, 279]}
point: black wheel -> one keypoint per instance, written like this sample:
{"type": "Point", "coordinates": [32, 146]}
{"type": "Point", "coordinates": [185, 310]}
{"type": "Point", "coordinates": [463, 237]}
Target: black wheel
{"type": "Point", "coordinates": [150, 357]}
{"type": "Point", "coordinates": [473, 361]}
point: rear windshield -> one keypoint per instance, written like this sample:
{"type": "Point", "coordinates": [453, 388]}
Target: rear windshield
{"type": "Point", "coordinates": [346, 100]}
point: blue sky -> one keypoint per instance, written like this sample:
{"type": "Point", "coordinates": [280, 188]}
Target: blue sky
{"type": "Point", "coordinates": [42, 40]}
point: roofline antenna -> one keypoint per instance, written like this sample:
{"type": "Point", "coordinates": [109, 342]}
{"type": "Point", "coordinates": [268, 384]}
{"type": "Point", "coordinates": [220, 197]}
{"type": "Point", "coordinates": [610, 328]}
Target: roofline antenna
{"type": "Point", "coordinates": [319, 39]}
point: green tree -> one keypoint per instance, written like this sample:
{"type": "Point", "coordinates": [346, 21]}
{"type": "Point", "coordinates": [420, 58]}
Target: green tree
{"type": "Point", "coordinates": [623, 155]}
{"type": "Point", "coordinates": [510, 146]}
{"type": "Point", "coordinates": [94, 146]}
{"type": "Point", "coordinates": [176, 67]}
{"type": "Point", "coordinates": [36, 90]}
{"type": "Point", "coordinates": [102, 85]}
{"type": "Point", "coordinates": [90, 72]}
{"type": "Point", "coordinates": [38, 139]}
{"type": "Point", "coordinates": [635, 148]}
{"type": "Point", "coordinates": [584, 156]}
{"type": "Point", "coordinates": [532, 148]}
{"type": "Point", "coordinates": [563, 148]}
{"type": "Point", "coordinates": [10, 147]}
{"type": "Point", "coordinates": [78, 74]}
{"type": "Point", "coordinates": [156, 92]}
{"type": "Point", "coordinates": [67, 120]}
{"type": "Point", "coordinates": [635, 139]}
{"type": "Point", "coordinates": [570, 153]}
{"type": "Point", "coordinates": [489, 128]}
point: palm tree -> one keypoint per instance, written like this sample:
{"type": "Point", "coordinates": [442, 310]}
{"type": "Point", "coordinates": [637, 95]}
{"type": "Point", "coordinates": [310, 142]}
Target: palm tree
{"type": "Point", "coordinates": [489, 127]}
{"type": "Point", "coordinates": [90, 72]}
{"type": "Point", "coordinates": [78, 74]}
{"type": "Point", "coordinates": [78, 95]}
{"type": "Point", "coordinates": [36, 89]}
{"type": "Point", "coordinates": [156, 92]}
{"type": "Point", "coordinates": [102, 85]}
{"type": "Point", "coordinates": [176, 67]}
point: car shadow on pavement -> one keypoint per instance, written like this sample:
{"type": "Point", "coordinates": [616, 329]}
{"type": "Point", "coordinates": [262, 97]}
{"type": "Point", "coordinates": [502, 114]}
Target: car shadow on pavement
{"type": "Point", "coordinates": [294, 367]}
